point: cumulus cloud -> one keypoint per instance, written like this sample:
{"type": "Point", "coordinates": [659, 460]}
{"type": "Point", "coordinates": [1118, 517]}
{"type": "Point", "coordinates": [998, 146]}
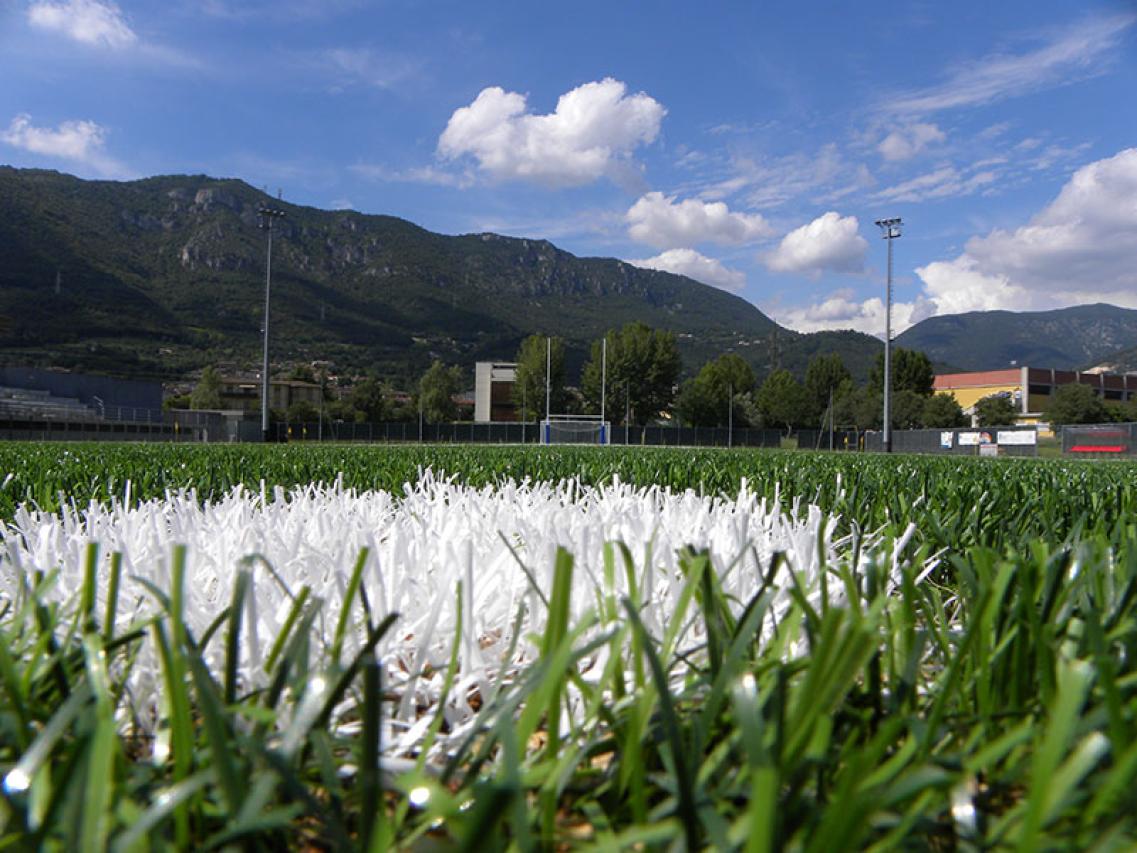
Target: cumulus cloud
{"type": "Point", "coordinates": [78, 141]}
{"type": "Point", "coordinates": [829, 243]}
{"type": "Point", "coordinates": [909, 141]}
{"type": "Point", "coordinates": [690, 263]}
{"type": "Point", "coordinates": [660, 220]}
{"type": "Point", "coordinates": [1082, 247]}
{"type": "Point", "coordinates": [591, 134]}
{"type": "Point", "coordinates": [87, 21]}
{"type": "Point", "coordinates": [840, 310]}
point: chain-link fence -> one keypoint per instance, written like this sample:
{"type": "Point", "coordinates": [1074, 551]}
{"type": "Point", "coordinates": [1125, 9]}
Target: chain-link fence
{"type": "Point", "coordinates": [516, 433]}
{"type": "Point", "coordinates": [983, 441]}
{"type": "Point", "coordinates": [1100, 441]}
{"type": "Point", "coordinates": [72, 430]}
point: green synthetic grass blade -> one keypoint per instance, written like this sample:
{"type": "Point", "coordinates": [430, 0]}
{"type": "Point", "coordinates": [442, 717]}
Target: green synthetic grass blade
{"type": "Point", "coordinates": [371, 811]}
{"type": "Point", "coordinates": [348, 600]}
{"type": "Point", "coordinates": [687, 811]}
{"type": "Point", "coordinates": [89, 587]}
{"type": "Point", "coordinates": [223, 757]}
{"type": "Point", "coordinates": [102, 750]}
{"type": "Point", "coordinates": [112, 597]}
{"type": "Point", "coordinates": [164, 803]}
{"type": "Point", "coordinates": [233, 638]}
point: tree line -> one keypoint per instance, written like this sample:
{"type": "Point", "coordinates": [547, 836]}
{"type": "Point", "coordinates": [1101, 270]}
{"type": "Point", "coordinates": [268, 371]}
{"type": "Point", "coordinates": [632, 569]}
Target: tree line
{"type": "Point", "coordinates": [639, 370]}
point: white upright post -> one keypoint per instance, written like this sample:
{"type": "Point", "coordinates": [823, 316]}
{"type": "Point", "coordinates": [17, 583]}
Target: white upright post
{"type": "Point", "coordinates": [730, 415]}
{"type": "Point", "coordinates": [548, 376]}
{"type": "Point", "coordinates": [603, 375]}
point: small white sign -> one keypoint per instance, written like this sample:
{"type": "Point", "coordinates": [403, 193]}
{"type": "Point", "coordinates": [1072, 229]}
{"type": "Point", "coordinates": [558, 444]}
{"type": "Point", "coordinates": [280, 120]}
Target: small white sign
{"type": "Point", "coordinates": [968, 439]}
{"type": "Point", "coordinates": [946, 439]}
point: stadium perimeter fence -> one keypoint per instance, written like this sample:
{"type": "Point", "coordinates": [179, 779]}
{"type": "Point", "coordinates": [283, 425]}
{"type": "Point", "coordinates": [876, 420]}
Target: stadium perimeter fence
{"type": "Point", "coordinates": [515, 433]}
{"type": "Point", "coordinates": [967, 441]}
{"type": "Point", "coordinates": [1100, 441]}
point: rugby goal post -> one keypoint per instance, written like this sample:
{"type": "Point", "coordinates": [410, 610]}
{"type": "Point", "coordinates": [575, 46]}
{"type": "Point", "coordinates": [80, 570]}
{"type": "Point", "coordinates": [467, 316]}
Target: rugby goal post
{"type": "Point", "coordinates": [575, 429]}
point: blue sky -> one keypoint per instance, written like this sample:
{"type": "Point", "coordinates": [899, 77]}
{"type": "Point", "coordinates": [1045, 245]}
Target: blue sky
{"type": "Point", "coordinates": [748, 145]}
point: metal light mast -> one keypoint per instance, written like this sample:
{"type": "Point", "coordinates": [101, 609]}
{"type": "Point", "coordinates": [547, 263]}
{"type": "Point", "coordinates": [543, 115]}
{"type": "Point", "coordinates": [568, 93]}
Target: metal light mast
{"type": "Point", "coordinates": [890, 230]}
{"type": "Point", "coordinates": [268, 217]}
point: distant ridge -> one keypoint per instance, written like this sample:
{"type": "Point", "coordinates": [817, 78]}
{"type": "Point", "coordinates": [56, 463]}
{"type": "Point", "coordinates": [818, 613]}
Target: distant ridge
{"type": "Point", "coordinates": [158, 277]}
{"type": "Point", "coordinates": [1065, 338]}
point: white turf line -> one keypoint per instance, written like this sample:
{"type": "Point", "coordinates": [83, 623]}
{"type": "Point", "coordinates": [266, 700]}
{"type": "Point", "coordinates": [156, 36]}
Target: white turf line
{"type": "Point", "coordinates": [422, 545]}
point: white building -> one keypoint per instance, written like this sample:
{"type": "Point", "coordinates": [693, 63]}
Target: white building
{"type": "Point", "coordinates": [493, 391]}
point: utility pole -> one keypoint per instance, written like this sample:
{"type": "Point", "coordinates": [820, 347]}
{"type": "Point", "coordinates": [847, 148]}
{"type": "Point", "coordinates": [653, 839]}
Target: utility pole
{"type": "Point", "coordinates": [268, 216]}
{"type": "Point", "coordinates": [603, 376]}
{"type": "Point", "coordinates": [627, 407]}
{"type": "Point", "coordinates": [730, 414]}
{"type": "Point", "coordinates": [890, 230]}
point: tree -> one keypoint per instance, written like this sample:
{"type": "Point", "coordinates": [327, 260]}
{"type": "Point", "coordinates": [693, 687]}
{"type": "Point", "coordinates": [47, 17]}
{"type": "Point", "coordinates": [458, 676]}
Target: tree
{"type": "Point", "coordinates": [942, 411]}
{"type": "Point", "coordinates": [782, 401]}
{"type": "Point", "coordinates": [643, 367]}
{"type": "Point", "coordinates": [911, 370]}
{"type": "Point", "coordinates": [302, 411]}
{"type": "Point", "coordinates": [437, 389]}
{"type": "Point", "coordinates": [907, 411]}
{"type": "Point", "coordinates": [711, 397]}
{"type": "Point", "coordinates": [996, 410]}
{"type": "Point", "coordinates": [1076, 404]}
{"type": "Point", "coordinates": [824, 374]}
{"type": "Point", "coordinates": [529, 387]}
{"type": "Point", "coordinates": [207, 393]}
{"type": "Point", "coordinates": [370, 399]}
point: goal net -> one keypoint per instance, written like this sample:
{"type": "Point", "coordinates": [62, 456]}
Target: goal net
{"type": "Point", "coordinates": [575, 429]}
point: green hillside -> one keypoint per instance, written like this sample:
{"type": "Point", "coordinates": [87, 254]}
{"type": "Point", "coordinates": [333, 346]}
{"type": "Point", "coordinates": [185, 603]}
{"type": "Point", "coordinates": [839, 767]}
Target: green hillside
{"type": "Point", "coordinates": [159, 277]}
{"type": "Point", "coordinates": [1067, 338]}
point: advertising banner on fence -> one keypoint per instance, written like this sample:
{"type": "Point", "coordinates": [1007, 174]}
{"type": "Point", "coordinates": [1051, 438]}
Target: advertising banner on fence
{"type": "Point", "coordinates": [1020, 437]}
{"type": "Point", "coordinates": [970, 439]}
{"type": "Point", "coordinates": [946, 439]}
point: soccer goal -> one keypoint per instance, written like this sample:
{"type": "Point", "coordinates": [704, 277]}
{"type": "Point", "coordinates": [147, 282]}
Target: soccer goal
{"type": "Point", "coordinates": [575, 429]}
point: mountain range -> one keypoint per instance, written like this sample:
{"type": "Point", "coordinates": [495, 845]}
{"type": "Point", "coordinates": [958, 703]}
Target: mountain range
{"type": "Point", "coordinates": [159, 277]}
{"type": "Point", "coordinates": [1076, 338]}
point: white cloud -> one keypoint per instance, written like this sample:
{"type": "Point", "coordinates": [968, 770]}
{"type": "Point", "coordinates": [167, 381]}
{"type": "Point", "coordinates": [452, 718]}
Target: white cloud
{"type": "Point", "coordinates": [1077, 52]}
{"type": "Point", "coordinates": [88, 21]}
{"type": "Point", "coordinates": [1079, 249]}
{"type": "Point", "coordinates": [591, 134]}
{"type": "Point", "coordinates": [828, 243]}
{"type": "Point", "coordinates": [945, 182]}
{"type": "Point", "coordinates": [909, 141]}
{"type": "Point", "coordinates": [365, 67]}
{"type": "Point", "coordinates": [430, 175]}
{"type": "Point", "coordinates": [1082, 247]}
{"type": "Point", "coordinates": [660, 221]}
{"type": "Point", "coordinates": [78, 141]}
{"type": "Point", "coordinates": [840, 311]}
{"type": "Point", "coordinates": [690, 263]}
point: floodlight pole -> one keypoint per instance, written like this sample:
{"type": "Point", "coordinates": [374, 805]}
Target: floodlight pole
{"type": "Point", "coordinates": [627, 407]}
{"type": "Point", "coordinates": [603, 376]}
{"type": "Point", "coordinates": [548, 377]}
{"type": "Point", "coordinates": [730, 414]}
{"type": "Point", "coordinates": [268, 217]}
{"type": "Point", "coordinates": [890, 230]}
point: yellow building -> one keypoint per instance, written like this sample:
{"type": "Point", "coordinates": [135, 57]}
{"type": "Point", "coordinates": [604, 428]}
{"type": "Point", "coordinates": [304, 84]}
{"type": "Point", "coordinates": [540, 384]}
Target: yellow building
{"type": "Point", "coordinates": [1030, 388]}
